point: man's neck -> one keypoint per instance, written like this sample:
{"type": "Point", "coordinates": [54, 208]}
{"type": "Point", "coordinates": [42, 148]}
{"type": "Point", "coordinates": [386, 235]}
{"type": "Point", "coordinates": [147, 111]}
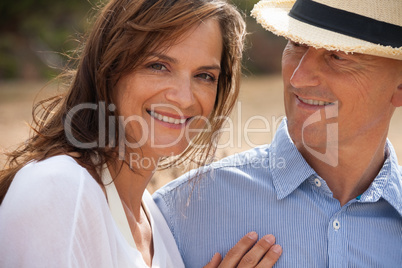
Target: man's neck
{"type": "Point", "coordinates": [356, 169]}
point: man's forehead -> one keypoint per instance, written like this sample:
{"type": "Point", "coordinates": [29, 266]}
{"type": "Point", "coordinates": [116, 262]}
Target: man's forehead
{"type": "Point", "coordinates": [366, 58]}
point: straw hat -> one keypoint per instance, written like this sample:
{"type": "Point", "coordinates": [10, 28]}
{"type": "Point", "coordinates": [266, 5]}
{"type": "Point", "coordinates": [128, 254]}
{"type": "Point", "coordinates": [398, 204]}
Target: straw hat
{"type": "Point", "coordinates": [364, 26]}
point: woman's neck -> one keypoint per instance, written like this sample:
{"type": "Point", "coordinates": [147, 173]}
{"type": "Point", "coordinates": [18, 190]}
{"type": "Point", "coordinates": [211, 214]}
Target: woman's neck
{"type": "Point", "coordinates": [131, 182]}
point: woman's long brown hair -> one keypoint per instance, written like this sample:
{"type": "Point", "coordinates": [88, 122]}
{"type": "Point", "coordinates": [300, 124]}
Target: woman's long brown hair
{"type": "Point", "coordinates": [123, 35]}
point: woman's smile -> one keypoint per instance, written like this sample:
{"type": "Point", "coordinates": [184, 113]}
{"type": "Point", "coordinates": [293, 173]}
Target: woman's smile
{"type": "Point", "coordinates": [175, 120]}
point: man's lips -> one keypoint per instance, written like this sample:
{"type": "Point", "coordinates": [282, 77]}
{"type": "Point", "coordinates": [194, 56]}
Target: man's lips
{"type": "Point", "coordinates": [314, 102]}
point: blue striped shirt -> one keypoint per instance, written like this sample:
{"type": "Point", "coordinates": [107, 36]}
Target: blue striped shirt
{"type": "Point", "coordinates": [272, 190]}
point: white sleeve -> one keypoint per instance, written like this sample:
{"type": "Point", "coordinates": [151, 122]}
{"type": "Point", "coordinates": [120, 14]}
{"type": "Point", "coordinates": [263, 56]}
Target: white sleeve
{"type": "Point", "coordinates": [55, 215]}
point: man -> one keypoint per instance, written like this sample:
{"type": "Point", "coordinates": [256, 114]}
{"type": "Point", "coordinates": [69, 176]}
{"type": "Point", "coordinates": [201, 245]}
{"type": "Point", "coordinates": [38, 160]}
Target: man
{"type": "Point", "coordinates": [337, 200]}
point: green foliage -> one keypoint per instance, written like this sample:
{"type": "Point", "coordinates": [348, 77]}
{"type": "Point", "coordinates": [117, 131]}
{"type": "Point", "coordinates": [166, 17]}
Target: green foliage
{"type": "Point", "coordinates": [31, 30]}
{"type": "Point", "coordinates": [36, 33]}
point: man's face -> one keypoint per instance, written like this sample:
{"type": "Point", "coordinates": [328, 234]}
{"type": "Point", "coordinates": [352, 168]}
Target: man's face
{"type": "Point", "coordinates": [351, 92]}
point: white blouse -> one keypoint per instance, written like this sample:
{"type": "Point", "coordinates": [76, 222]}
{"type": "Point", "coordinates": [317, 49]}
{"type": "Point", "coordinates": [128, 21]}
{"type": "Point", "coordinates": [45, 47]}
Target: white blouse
{"type": "Point", "coordinates": [56, 215]}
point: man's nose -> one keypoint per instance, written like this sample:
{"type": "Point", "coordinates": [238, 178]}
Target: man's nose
{"type": "Point", "coordinates": [307, 72]}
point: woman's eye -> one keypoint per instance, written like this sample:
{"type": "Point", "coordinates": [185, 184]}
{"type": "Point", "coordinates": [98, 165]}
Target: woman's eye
{"type": "Point", "coordinates": [158, 67]}
{"type": "Point", "coordinates": [206, 77]}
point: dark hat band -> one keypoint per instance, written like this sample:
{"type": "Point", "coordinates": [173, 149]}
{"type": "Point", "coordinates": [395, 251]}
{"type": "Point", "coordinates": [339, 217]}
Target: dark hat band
{"type": "Point", "coordinates": [347, 23]}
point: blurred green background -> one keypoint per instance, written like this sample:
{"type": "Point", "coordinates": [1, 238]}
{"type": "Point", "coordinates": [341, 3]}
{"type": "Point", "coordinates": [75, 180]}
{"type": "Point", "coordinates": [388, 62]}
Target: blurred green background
{"type": "Point", "coordinates": [35, 36]}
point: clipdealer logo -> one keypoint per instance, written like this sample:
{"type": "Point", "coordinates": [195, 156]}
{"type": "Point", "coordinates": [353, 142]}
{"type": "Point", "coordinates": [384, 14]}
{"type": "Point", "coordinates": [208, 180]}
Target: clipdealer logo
{"type": "Point", "coordinates": [331, 155]}
{"type": "Point", "coordinates": [112, 131]}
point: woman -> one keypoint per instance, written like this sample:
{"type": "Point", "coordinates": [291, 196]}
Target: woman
{"type": "Point", "coordinates": [151, 75]}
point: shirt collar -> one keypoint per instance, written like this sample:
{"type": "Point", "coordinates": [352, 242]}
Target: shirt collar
{"type": "Point", "coordinates": [288, 177]}
{"type": "Point", "coordinates": [391, 174]}
{"type": "Point", "coordinates": [295, 170]}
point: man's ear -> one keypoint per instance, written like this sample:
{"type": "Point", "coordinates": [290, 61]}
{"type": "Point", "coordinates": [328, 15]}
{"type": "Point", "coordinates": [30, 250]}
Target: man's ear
{"type": "Point", "coordinates": [397, 97]}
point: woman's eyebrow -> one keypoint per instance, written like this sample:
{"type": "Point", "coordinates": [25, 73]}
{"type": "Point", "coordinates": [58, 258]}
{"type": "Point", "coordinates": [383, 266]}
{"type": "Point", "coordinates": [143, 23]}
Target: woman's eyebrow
{"type": "Point", "coordinates": [175, 61]}
{"type": "Point", "coordinates": [164, 57]}
{"type": "Point", "coordinates": [210, 67]}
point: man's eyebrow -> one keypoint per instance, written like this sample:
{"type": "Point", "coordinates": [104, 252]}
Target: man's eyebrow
{"type": "Point", "coordinates": [360, 56]}
{"type": "Point", "coordinates": [364, 56]}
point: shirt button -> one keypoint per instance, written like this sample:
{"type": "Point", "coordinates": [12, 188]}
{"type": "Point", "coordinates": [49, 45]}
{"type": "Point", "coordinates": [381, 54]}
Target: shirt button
{"type": "Point", "coordinates": [336, 225]}
{"type": "Point", "coordinates": [317, 182]}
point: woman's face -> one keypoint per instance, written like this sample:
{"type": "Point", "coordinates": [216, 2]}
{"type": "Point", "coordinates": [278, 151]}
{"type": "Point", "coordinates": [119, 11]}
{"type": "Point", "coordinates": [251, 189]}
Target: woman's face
{"type": "Point", "coordinates": [166, 101]}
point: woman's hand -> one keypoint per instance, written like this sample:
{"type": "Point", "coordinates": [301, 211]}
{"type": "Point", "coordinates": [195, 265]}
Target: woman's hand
{"type": "Point", "coordinates": [264, 253]}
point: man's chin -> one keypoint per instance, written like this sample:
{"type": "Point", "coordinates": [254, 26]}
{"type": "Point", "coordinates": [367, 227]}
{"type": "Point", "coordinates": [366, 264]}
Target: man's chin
{"type": "Point", "coordinates": [309, 138]}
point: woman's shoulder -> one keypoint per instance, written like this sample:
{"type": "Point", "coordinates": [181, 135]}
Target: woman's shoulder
{"type": "Point", "coordinates": [54, 191]}
{"type": "Point", "coordinates": [56, 206]}
{"type": "Point", "coordinates": [57, 178]}
{"type": "Point", "coordinates": [59, 165]}
{"type": "Point", "coordinates": [58, 168]}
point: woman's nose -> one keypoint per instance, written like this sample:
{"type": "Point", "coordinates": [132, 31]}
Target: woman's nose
{"type": "Point", "coordinates": [181, 92]}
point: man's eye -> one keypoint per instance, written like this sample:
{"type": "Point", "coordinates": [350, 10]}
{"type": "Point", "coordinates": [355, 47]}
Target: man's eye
{"type": "Point", "coordinates": [297, 44]}
{"type": "Point", "coordinates": [337, 57]}
{"type": "Point", "coordinates": [158, 67]}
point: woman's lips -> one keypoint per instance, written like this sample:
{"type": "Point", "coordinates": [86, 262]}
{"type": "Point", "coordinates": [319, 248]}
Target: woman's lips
{"type": "Point", "coordinates": [177, 120]}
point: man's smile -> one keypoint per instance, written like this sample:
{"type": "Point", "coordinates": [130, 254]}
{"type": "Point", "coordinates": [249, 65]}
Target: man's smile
{"type": "Point", "coordinates": [314, 102]}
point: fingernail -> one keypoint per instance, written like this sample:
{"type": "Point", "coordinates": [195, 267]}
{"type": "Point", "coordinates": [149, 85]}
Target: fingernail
{"type": "Point", "coordinates": [252, 235]}
{"type": "Point", "coordinates": [216, 255]}
{"type": "Point", "coordinates": [277, 249]}
{"type": "Point", "coordinates": [270, 239]}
